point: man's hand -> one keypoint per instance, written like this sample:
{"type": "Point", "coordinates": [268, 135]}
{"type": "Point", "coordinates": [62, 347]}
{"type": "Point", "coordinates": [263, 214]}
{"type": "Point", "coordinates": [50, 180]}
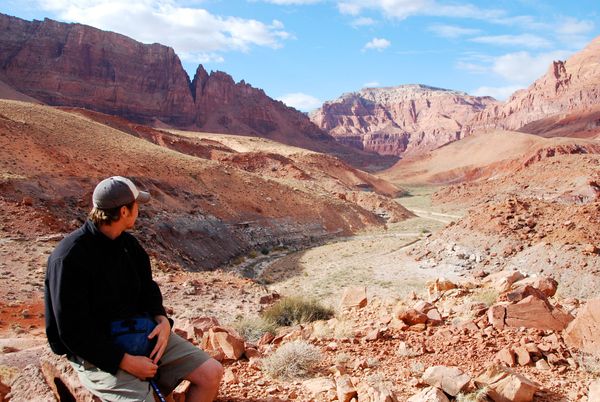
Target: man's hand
{"type": "Point", "coordinates": [162, 331]}
{"type": "Point", "coordinates": [140, 366]}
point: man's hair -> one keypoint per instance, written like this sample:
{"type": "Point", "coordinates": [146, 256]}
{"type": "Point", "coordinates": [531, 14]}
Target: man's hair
{"type": "Point", "coordinates": [107, 216]}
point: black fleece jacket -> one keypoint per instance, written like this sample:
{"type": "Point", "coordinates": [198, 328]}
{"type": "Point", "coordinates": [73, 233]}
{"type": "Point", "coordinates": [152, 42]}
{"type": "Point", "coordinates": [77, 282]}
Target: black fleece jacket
{"type": "Point", "coordinates": [92, 280]}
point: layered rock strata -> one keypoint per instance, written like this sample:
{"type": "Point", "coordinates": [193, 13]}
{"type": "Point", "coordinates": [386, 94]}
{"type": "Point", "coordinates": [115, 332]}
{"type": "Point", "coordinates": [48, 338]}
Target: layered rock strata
{"type": "Point", "coordinates": [77, 65]}
{"type": "Point", "coordinates": [399, 120]}
{"type": "Point", "coordinates": [571, 86]}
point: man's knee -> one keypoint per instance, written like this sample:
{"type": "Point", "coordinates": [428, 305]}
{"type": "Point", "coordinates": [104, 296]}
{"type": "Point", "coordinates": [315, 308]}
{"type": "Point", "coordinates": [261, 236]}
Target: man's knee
{"type": "Point", "coordinates": [208, 374]}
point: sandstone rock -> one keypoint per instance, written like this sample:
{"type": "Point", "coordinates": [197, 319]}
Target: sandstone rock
{"type": "Point", "coordinates": [542, 365]}
{"type": "Point", "coordinates": [270, 298]}
{"type": "Point", "coordinates": [410, 316]}
{"type": "Point", "coordinates": [503, 280]}
{"type": "Point", "coordinates": [594, 391]}
{"type": "Point", "coordinates": [430, 394]}
{"type": "Point", "coordinates": [582, 333]}
{"type": "Point", "coordinates": [450, 379]}
{"type": "Point", "coordinates": [354, 297]}
{"type": "Point", "coordinates": [179, 393]}
{"type": "Point", "coordinates": [440, 285]}
{"type": "Point", "coordinates": [434, 317]}
{"type": "Point", "coordinates": [31, 382]}
{"type": "Point", "coordinates": [523, 357]}
{"type": "Point", "coordinates": [496, 315]}
{"type": "Point", "coordinates": [532, 312]}
{"type": "Point", "coordinates": [345, 389]}
{"type": "Point", "coordinates": [524, 291]}
{"type": "Point", "coordinates": [57, 370]}
{"type": "Point", "coordinates": [423, 307]}
{"type": "Point", "coordinates": [224, 340]}
{"type": "Point", "coordinates": [505, 356]}
{"type": "Point", "coordinates": [544, 284]}
{"type": "Point", "coordinates": [319, 386]}
{"type": "Point", "coordinates": [505, 385]}
{"type": "Point", "coordinates": [379, 392]}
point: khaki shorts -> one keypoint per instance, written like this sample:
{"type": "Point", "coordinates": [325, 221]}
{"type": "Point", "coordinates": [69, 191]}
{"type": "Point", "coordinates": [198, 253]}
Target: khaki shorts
{"type": "Point", "coordinates": [179, 360]}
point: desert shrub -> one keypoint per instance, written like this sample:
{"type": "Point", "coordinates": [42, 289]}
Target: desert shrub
{"type": "Point", "coordinates": [292, 360]}
{"type": "Point", "coordinates": [297, 310]}
{"type": "Point", "coordinates": [253, 328]}
{"type": "Point", "coordinates": [238, 260]}
{"type": "Point", "coordinates": [264, 251]}
{"type": "Point", "coordinates": [486, 296]}
{"type": "Point", "coordinates": [479, 395]}
{"type": "Point", "coordinates": [252, 254]}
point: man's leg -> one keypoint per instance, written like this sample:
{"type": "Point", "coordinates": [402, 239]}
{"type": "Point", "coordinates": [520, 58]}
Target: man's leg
{"type": "Point", "coordinates": [205, 380]}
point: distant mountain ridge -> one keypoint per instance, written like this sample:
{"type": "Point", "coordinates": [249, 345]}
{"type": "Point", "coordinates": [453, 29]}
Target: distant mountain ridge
{"type": "Point", "coordinates": [78, 65]}
{"type": "Point", "coordinates": [407, 119]}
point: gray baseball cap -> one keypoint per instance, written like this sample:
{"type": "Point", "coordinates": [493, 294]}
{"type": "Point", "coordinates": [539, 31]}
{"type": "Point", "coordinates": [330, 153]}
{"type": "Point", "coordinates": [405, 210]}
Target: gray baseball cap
{"type": "Point", "coordinates": [117, 191]}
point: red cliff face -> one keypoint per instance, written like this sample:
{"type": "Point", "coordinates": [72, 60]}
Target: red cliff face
{"type": "Point", "coordinates": [571, 87]}
{"type": "Point", "coordinates": [399, 120]}
{"type": "Point", "coordinates": [77, 65]}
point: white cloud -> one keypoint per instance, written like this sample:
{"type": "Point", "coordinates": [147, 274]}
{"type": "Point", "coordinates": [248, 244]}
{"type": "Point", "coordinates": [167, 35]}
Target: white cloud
{"type": "Point", "coordinates": [378, 44]}
{"type": "Point", "coordinates": [500, 93]}
{"type": "Point", "coordinates": [401, 9]}
{"type": "Point", "coordinates": [363, 21]}
{"type": "Point", "coordinates": [451, 31]}
{"type": "Point", "coordinates": [372, 84]}
{"type": "Point", "coordinates": [194, 33]}
{"type": "Point", "coordinates": [524, 68]}
{"type": "Point", "coordinates": [573, 26]}
{"type": "Point", "coordinates": [525, 40]}
{"type": "Point", "coordinates": [301, 101]}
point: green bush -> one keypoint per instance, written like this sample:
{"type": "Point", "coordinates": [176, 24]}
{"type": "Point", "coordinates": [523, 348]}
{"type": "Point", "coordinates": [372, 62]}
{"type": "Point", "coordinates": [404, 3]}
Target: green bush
{"type": "Point", "coordinates": [292, 360]}
{"type": "Point", "coordinates": [297, 310]}
{"type": "Point", "coordinates": [253, 328]}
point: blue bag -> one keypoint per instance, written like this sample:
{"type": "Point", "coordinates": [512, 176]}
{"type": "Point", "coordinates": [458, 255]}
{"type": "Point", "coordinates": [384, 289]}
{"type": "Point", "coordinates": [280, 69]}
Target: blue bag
{"type": "Point", "coordinates": [131, 335]}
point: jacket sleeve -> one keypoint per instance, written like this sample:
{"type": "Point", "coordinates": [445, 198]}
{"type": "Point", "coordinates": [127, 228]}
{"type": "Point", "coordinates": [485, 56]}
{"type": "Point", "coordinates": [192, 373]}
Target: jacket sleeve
{"type": "Point", "coordinates": [69, 284]}
{"type": "Point", "coordinates": [151, 296]}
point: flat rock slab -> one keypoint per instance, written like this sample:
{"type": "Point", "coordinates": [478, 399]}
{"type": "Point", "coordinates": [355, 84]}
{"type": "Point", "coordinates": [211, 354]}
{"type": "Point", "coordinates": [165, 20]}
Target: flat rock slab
{"type": "Point", "coordinates": [582, 333]}
{"type": "Point", "coordinates": [533, 312]}
{"type": "Point", "coordinates": [505, 385]}
{"type": "Point", "coordinates": [431, 394]}
{"type": "Point", "coordinates": [450, 379]}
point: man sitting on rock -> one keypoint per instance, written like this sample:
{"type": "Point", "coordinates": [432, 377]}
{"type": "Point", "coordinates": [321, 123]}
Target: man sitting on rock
{"type": "Point", "coordinates": [99, 274]}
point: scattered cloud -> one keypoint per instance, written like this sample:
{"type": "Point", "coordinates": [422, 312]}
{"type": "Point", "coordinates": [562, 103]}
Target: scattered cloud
{"type": "Point", "coordinates": [451, 31]}
{"type": "Point", "coordinates": [301, 101]}
{"type": "Point", "coordinates": [402, 9]}
{"type": "Point", "coordinates": [523, 67]}
{"type": "Point", "coordinates": [363, 21]}
{"type": "Point", "coordinates": [573, 26]}
{"type": "Point", "coordinates": [372, 84]}
{"type": "Point", "coordinates": [378, 44]}
{"type": "Point", "coordinates": [500, 93]}
{"type": "Point", "coordinates": [195, 33]}
{"type": "Point", "coordinates": [525, 40]}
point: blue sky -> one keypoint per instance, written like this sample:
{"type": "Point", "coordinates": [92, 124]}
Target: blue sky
{"type": "Point", "coordinates": [305, 52]}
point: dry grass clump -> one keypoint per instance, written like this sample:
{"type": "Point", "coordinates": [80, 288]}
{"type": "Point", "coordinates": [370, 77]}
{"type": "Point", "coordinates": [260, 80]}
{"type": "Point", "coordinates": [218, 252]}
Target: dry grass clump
{"type": "Point", "coordinates": [479, 395]}
{"type": "Point", "coordinates": [296, 310]}
{"type": "Point", "coordinates": [253, 328]}
{"type": "Point", "coordinates": [292, 360]}
{"type": "Point", "coordinates": [486, 296]}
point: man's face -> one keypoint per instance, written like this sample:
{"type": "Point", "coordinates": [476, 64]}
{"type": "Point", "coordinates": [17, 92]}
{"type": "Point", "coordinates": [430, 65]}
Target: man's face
{"type": "Point", "coordinates": [130, 216]}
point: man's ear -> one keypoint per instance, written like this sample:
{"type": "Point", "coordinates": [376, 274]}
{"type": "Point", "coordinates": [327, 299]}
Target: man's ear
{"type": "Point", "coordinates": [123, 211]}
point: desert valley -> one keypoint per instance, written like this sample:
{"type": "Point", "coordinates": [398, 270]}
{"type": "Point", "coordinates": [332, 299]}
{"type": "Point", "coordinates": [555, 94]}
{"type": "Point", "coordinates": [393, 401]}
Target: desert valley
{"type": "Point", "coordinates": [452, 241]}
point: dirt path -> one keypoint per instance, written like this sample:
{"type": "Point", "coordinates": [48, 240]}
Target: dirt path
{"type": "Point", "coordinates": [377, 260]}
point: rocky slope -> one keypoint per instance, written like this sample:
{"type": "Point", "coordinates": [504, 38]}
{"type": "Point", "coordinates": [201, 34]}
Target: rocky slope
{"type": "Point", "coordinates": [77, 65]}
{"type": "Point", "coordinates": [571, 86]}
{"type": "Point", "coordinates": [213, 210]}
{"type": "Point", "coordinates": [407, 119]}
